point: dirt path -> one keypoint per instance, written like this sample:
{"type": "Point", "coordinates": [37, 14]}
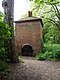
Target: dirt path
{"type": "Point", "coordinates": [35, 70]}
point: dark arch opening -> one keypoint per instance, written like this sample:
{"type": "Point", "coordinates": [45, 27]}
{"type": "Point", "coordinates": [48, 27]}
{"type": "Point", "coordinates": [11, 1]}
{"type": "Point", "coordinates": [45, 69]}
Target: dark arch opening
{"type": "Point", "coordinates": [27, 50]}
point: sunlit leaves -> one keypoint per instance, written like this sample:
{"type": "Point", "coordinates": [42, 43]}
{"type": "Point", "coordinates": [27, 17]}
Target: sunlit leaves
{"type": "Point", "coordinates": [42, 2]}
{"type": "Point", "coordinates": [1, 15]}
{"type": "Point", "coordinates": [36, 1]}
{"type": "Point", "coordinates": [4, 31]}
{"type": "Point", "coordinates": [49, 11]}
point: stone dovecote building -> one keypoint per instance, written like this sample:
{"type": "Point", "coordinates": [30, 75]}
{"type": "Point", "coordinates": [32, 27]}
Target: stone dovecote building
{"type": "Point", "coordinates": [28, 35]}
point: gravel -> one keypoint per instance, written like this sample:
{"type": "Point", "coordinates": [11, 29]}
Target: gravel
{"type": "Point", "coordinates": [33, 69]}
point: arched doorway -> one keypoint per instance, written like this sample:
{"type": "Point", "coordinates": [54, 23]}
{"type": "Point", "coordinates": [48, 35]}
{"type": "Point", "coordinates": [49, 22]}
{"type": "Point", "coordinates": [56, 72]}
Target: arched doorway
{"type": "Point", "coordinates": [27, 50]}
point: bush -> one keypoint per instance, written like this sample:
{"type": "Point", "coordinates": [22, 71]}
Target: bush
{"type": "Point", "coordinates": [40, 57]}
{"type": "Point", "coordinates": [3, 65]}
{"type": "Point", "coordinates": [55, 49]}
{"type": "Point", "coordinates": [51, 51]}
{"type": "Point", "coordinates": [46, 56]}
{"type": "Point", "coordinates": [4, 34]}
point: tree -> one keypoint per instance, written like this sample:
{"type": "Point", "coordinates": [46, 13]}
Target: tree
{"type": "Point", "coordinates": [8, 6]}
{"type": "Point", "coordinates": [49, 11]}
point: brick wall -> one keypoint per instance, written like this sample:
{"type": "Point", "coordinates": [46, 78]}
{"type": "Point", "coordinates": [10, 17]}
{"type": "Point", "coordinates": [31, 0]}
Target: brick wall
{"type": "Point", "coordinates": [28, 33]}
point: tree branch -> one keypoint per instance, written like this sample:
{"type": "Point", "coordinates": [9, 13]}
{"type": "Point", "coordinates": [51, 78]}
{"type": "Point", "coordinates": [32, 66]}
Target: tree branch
{"type": "Point", "coordinates": [57, 12]}
{"type": "Point", "coordinates": [53, 21]}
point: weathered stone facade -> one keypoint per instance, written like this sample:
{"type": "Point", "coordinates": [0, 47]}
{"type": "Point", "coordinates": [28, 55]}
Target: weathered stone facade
{"type": "Point", "coordinates": [28, 32]}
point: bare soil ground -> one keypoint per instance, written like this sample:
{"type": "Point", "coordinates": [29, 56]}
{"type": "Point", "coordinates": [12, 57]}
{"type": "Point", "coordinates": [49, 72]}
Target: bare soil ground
{"type": "Point", "coordinates": [33, 69]}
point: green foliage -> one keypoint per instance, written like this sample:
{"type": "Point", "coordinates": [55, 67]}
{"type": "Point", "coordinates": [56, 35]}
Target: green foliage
{"type": "Point", "coordinates": [4, 31]}
{"type": "Point", "coordinates": [49, 11]}
{"type": "Point", "coordinates": [40, 57]}
{"type": "Point", "coordinates": [4, 70]}
{"type": "Point", "coordinates": [46, 56]}
{"type": "Point", "coordinates": [4, 34]}
{"type": "Point", "coordinates": [1, 15]}
{"type": "Point", "coordinates": [51, 51]}
{"type": "Point", "coordinates": [3, 65]}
